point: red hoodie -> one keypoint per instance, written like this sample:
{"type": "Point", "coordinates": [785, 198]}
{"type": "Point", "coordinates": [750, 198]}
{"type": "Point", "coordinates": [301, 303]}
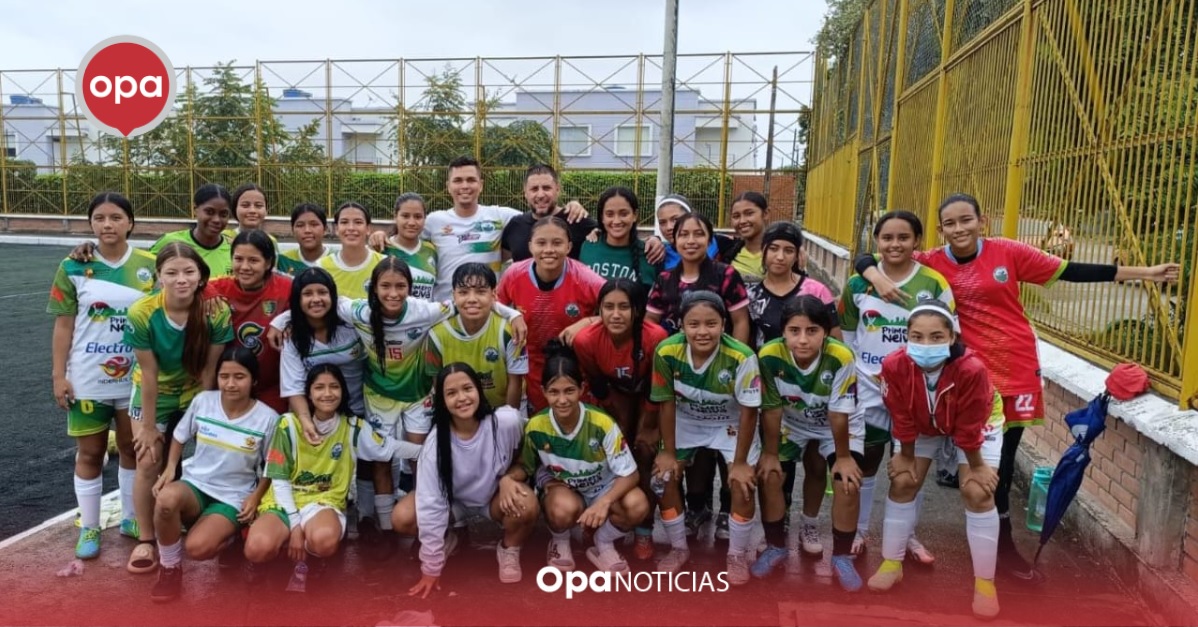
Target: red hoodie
{"type": "Point", "coordinates": [964, 399]}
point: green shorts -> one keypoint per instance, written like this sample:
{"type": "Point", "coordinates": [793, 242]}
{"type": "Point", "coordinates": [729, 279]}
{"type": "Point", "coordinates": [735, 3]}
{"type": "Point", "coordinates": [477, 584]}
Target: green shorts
{"type": "Point", "coordinates": [213, 507]}
{"type": "Point", "coordinates": [876, 437]}
{"type": "Point", "coordinates": [167, 405]}
{"type": "Point", "coordinates": [88, 417]}
{"type": "Point", "coordinates": [277, 511]}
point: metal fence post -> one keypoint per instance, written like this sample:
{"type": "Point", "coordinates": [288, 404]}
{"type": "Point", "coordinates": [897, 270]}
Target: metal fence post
{"type": "Point", "coordinates": [1020, 125]}
{"type": "Point", "coordinates": [936, 189]}
{"type": "Point", "coordinates": [900, 76]}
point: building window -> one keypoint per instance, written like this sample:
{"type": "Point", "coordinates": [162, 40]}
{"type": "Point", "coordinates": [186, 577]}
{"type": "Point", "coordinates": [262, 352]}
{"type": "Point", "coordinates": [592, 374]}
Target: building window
{"type": "Point", "coordinates": [10, 145]}
{"type": "Point", "coordinates": [574, 141]}
{"type": "Point", "coordinates": [626, 138]}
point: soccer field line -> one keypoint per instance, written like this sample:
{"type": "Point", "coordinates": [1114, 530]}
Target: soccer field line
{"type": "Point", "coordinates": [106, 500]}
{"type": "Point", "coordinates": [22, 295]}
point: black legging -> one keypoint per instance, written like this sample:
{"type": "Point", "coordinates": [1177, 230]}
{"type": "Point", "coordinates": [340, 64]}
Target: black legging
{"type": "Point", "coordinates": [1006, 469]}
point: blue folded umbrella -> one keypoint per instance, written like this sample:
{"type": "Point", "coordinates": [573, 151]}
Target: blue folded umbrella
{"type": "Point", "coordinates": [1086, 424]}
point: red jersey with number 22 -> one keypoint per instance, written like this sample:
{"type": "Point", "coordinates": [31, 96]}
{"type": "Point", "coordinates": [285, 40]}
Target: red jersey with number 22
{"type": "Point", "coordinates": [547, 313]}
{"type": "Point", "coordinates": [993, 322]}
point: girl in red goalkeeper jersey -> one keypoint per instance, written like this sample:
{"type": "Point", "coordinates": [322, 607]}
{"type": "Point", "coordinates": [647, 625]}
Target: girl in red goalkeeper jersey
{"type": "Point", "coordinates": [556, 294]}
{"type": "Point", "coordinates": [616, 357]}
{"type": "Point", "coordinates": [256, 294]}
{"type": "Point", "coordinates": [984, 274]}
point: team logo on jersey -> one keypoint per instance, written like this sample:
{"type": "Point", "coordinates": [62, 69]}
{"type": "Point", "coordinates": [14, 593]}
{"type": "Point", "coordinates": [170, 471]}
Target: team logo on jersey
{"type": "Point", "coordinates": [249, 335]}
{"type": "Point", "coordinates": [825, 377]}
{"type": "Point", "coordinates": [268, 307]}
{"type": "Point", "coordinates": [573, 310]}
{"type": "Point", "coordinates": [144, 275]}
{"type": "Point", "coordinates": [874, 321]}
{"type": "Point", "coordinates": [250, 444]}
{"type": "Point", "coordinates": [447, 230]}
{"type": "Point", "coordinates": [117, 367]}
{"type": "Point", "coordinates": [414, 333]}
{"type": "Point", "coordinates": [101, 311]}
{"type": "Point", "coordinates": [491, 354]}
{"type": "Point", "coordinates": [1000, 274]}
{"type": "Point", "coordinates": [486, 226]}
{"type": "Point", "coordinates": [724, 377]}
{"type": "Point", "coordinates": [336, 452]}
{"type": "Point", "coordinates": [923, 295]}
{"type": "Point", "coordinates": [594, 444]}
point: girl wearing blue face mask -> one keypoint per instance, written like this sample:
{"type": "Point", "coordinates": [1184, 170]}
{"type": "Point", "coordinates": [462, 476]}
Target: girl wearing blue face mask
{"type": "Point", "coordinates": [937, 390]}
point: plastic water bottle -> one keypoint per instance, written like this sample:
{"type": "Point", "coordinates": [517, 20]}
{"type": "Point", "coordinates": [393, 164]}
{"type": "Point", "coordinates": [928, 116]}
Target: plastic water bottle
{"type": "Point", "coordinates": [1037, 498]}
{"type": "Point", "coordinates": [658, 484]}
{"type": "Point", "coordinates": [299, 578]}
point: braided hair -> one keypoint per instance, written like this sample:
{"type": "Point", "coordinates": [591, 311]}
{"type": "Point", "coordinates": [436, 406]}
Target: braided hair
{"type": "Point", "coordinates": [638, 299]}
{"type": "Point", "coordinates": [386, 264]}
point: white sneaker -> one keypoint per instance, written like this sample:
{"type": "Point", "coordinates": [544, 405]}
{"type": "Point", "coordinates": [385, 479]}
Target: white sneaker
{"type": "Point", "coordinates": [609, 561]}
{"type": "Point", "coordinates": [738, 569]}
{"type": "Point", "coordinates": [674, 560]}
{"type": "Point", "coordinates": [559, 555]}
{"type": "Point", "coordinates": [509, 563]}
{"type": "Point", "coordinates": [809, 540]}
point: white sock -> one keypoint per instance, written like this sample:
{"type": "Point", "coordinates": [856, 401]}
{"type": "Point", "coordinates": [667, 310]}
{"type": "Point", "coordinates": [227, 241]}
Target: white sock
{"type": "Point", "coordinates": [810, 520]}
{"type": "Point", "coordinates": [897, 527]}
{"type": "Point", "coordinates": [87, 493]}
{"type": "Point", "coordinates": [739, 534]}
{"type": "Point", "coordinates": [676, 532]}
{"type": "Point", "coordinates": [982, 532]}
{"type": "Point", "coordinates": [867, 503]}
{"type": "Point", "coordinates": [365, 498]}
{"type": "Point", "coordinates": [606, 536]}
{"type": "Point", "coordinates": [383, 504]}
{"type": "Point", "coordinates": [170, 556]}
{"type": "Point", "coordinates": [124, 479]}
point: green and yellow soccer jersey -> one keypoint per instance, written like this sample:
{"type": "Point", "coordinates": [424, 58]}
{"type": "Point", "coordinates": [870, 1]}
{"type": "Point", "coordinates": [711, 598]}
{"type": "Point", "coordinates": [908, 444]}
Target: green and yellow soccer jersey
{"type": "Point", "coordinates": [148, 328]}
{"type": "Point", "coordinates": [97, 295]}
{"type": "Point", "coordinates": [401, 377]}
{"type": "Point", "coordinates": [492, 352]}
{"type": "Point", "coordinates": [589, 459]}
{"type": "Point", "coordinates": [707, 397]}
{"type": "Point", "coordinates": [422, 262]}
{"type": "Point", "coordinates": [218, 259]}
{"type": "Point", "coordinates": [806, 396]}
{"type": "Point", "coordinates": [291, 262]}
{"type": "Point", "coordinates": [351, 281]}
{"type": "Point", "coordinates": [318, 474]}
{"type": "Point", "coordinates": [874, 328]}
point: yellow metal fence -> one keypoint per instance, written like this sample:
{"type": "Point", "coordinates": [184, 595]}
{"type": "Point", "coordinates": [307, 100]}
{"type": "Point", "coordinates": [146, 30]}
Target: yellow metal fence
{"type": "Point", "coordinates": [1074, 123]}
{"type": "Point", "coordinates": [366, 130]}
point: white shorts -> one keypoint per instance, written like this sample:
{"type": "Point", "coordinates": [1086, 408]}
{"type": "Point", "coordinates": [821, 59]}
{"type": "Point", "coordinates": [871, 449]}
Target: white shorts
{"type": "Point", "coordinates": [928, 446]}
{"type": "Point", "coordinates": [460, 512]}
{"type": "Point", "coordinates": [721, 438]}
{"type": "Point", "coordinates": [827, 445]}
{"type": "Point", "coordinates": [396, 418]}
{"type": "Point", "coordinates": [543, 477]}
{"type": "Point", "coordinates": [309, 511]}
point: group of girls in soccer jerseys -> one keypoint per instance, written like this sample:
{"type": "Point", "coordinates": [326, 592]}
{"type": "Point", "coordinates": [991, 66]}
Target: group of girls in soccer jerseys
{"type": "Point", "coordinates": [294, 378]}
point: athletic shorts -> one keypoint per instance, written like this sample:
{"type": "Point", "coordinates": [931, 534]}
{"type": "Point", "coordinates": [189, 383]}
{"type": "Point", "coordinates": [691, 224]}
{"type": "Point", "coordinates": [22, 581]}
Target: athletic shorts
{"type": "Point", "coordinates": [396, 418]}
{"type": "Point", "coordinates": [212, 507]}
{"type": "Point", "coordinates": [460, 512]}
{"type": "Point", "coordinates": [587, 499]}
{"type": "Point", "coordinates": [875, 436]}
{"type": "Point", "coordinates": [167, 405]}
{"type": "Point", "coordinates": [928, 446]}
{"type": "Point", "coordinates": [306, 514]}
{"type": "Point", "coordinates": [1024, 410]}
{"type": "Point", "coordinates": [791, 449]}
{"type": "Point", "coordinates": [87, 417]}
{"type": "Point", "coordinates": [729, 454]}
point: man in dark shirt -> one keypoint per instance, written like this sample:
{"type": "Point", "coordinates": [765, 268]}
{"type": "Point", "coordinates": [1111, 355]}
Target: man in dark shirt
{"type": "Point", "coordinates": [541, 190]}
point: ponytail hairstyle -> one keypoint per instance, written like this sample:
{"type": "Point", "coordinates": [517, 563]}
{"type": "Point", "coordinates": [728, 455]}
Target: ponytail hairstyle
{"type": "Point", "coordinates": [809, 307]}
{"type": "Point", "coordinates": [377, 329]}
{"type": "Point", "coordinates": [786, 232]}
{"type": "Point", "coordinates": [243, 356]}
{"type": "Point", "coordinates": [443, 421]}
{"type": "Point", "coordinates": [260, 240]}
{"type": "Point", "coordinates": [709, 273]}
{"type": "Point", "coordinates": [560, 361]}
{"type": "Point", "coordinates": [113, 198]}
{"type": "Point", "coordinates": [634, 248]}
{"type": "Point", "coordinates": [638, 299]}
{"type": "Point", "coordinates": [302, 335]}
{"type": "Point", "coordinates": [333, 369]}
{"type": "Point", "coordinates": [403, 198]}
{"type": "Point", "coordinates": [195, 336]}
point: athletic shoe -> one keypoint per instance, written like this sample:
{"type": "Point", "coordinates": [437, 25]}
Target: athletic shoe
{"type": "Point", "coordinates": [129, 528]}
{"type": "Point", "coordinates": [169, 584]}
{"type": "Point", "coordinates": [609, 561]}
{"type": "Point", "coordinates": [809, 540]}
{"type": "Point", "coordinates": [509, 563]}
{"type": "Point", "coordinates": [947, 479]}
{"type": "Point", "coordinates": [721, 527]}
{"type": "Point", "coordinates": [738, 569]}
{"type": "Point", "coordinates": [846, 573]}
{"type": "Point", "coordinates": [559, 555]}
{"type": "Point", "coordinates": [860, 543]}
{"type": "Point", "coordinates": [770, 559]}
{"type": "Point", "coordinates": [919, 552]}
{"type": "Point", "coordinates": [674, 560]}
{"type": "Point", "coordinates": [696, 520]}
{"type": "Point", "coordinates": [985, 599]}
{"type": "Point", "coordinates": [88, 545]}
{"type": "Point", "coordinates": [642, 547]}
{"type": "Point", "coordinates": [889, 574]}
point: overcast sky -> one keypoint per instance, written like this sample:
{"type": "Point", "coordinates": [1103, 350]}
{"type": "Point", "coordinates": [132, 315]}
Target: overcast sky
{"type": "Point", "coordinates": [52, 34]}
